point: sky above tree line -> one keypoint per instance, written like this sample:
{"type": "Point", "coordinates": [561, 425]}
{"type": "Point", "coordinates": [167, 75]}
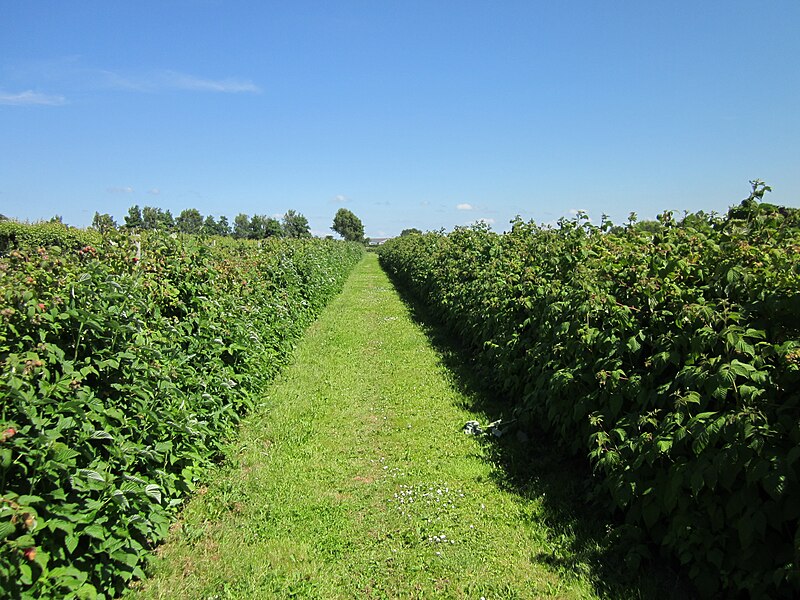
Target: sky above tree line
{"type": "Point", "coordinates": [410, 114]}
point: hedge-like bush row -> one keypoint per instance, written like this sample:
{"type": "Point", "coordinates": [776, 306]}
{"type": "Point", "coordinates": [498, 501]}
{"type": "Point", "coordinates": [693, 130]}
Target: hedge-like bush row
{"type": "Point", "coordinates": [670, 359]}
{"type": "Point", "coordinates": [124, 368]}
{"type": "Point", "coordinates": [41, 235]}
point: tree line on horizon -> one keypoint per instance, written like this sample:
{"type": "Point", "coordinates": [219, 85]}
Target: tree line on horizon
{"type": "Point", "coordinates": [292, 225]}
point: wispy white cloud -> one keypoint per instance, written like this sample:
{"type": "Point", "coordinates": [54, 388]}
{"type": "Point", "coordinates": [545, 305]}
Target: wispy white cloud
{"type": "Point", "coordinates": [30, 98]}
{"type": "Point", "coordinates": [340, 199]}
{"type": "Point", "coordinates": [183, 81]}
{"type": "Point", "coordinates": [154, 191]}
{"type": "Point", "coordinates": [487, 220]}
{"type": "Point", "coordinates": [158, 81]}
{"type": "Point", "coordinates": [464, 206]}
{"type": "Point", "coordinates": [71, 72]}
{"type": "Point", "coordinates": [120, 190]}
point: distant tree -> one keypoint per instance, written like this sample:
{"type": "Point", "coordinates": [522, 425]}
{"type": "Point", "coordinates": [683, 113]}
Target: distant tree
{"type": "Point", "coordinates": [648, 226]}
{"type": "Point", "coordinates": [241, 226]}
{"type": "Point", "coordinates": [258, 227]}
{"type": "Point", "coordinates": [223, 228]}
{"type": "Point", "coordinates": [212, 226]}
{"type": "Point", "coordinates": [209, 226]}
{"type": "Point", "coordinates": [134, 218]}
{"type": "Point", "coordinates": [165, 220]}
{"type": "Point", "coordinates": [150, 217]}
{"type": "Point", "coordinates": [411, 231]}
{"type": "Point", "coordinates": [60, 219]}
{"type": "Point", "coordinates": [155, 218]}
{"type": "Point", "coordinates": [189, 221]}
{"type": "Point", "coordinates": [295, 225]}
{"type": "Point", "coordinates": [262, 227]}
{"type": "Point", "coordinates": [103, 223]}
{"type": "Point", "coordinates": [3, 218]}
{"type": "Point", "coordinates": [348, 225]}
{"type": "Point", "coordinates": [274, 228]}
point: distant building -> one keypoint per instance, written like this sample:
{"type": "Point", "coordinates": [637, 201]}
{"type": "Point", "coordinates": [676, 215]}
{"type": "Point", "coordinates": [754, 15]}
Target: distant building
{"type": "Point", "coordinates": [377, 241]}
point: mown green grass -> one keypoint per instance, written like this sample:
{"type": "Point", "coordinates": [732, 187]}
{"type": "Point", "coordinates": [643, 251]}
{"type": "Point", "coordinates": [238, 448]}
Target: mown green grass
{"type": "Point", "coordinates": [354, 480]}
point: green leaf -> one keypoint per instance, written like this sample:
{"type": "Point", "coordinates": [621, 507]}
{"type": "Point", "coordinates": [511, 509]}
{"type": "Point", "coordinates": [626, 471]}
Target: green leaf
{"type": "Point", "coordinates": [91, 475]}
{"type": "Point", "coordinates": [774, 484]}
{"type": "Point", "coordinates": [650, 512]}
{"type": "Point", "coordinates": [61, 453]}
{"type": "Point", "coordinates": [126, 558]}
{"type": "Point", "coordinates": [25, 574]}
{"type": "Point", "coordinates": [696, 480]}
{"type": "Point", "coordinates": [690, 398]}
{"type": "Point", "coordinates": [5, 457]}
{"type": "Point", "coordinates": [27, 500]}
{"type": "Point", "coordinates": [741, 369]}
{"type": "Point", "coordinates": [86, 592]}
{"type": "Point", "coordinates": [615, 404]}
{"type": "Point", "coordinates": [6, 529]}
{"type": "Point", "coordinates": [119, 497]}
{"type": "Point", "coordinates": [745, 529]}
{"type": "Point", "coordinates": [95, 531]}
{"type": "Point", "coordinates": [41, 559]}
{"type": "Point", "coordinates": [154, 492]}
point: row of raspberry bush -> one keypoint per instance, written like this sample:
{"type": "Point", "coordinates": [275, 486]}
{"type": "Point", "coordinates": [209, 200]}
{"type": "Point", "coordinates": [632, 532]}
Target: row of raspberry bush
{"type": "Point", "coordinates": [15, 235]}
{"type": "Point", "coordinates": [671, 360]}
{"type": "Point", "coordinates": [124, 369]}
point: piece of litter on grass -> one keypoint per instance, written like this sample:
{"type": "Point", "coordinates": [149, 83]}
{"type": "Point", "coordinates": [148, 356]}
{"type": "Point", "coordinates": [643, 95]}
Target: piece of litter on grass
{"type": "Point", "coordinates": [472, 428]}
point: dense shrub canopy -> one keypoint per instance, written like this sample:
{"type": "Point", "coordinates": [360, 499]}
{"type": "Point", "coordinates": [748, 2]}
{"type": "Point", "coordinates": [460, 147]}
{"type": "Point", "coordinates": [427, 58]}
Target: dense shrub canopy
{"type": "Point", "coordinates": [669, 356]}
{"type": "Point", "coordinates": [125, 365]}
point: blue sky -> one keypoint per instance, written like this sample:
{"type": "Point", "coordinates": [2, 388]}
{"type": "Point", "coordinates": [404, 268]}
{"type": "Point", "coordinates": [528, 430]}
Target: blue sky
{"type": "Point", "coordinates": [426, 114]}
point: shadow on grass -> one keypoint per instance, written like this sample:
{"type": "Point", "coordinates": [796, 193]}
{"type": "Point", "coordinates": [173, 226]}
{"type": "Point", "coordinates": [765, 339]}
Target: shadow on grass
{"type": "Point", "coordinates": [586, 538]}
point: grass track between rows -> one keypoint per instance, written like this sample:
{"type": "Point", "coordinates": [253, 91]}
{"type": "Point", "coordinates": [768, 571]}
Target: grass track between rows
{"type": "Point", "coordinates": [353, 479]}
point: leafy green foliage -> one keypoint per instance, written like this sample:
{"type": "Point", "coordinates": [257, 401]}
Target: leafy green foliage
{"type": "Point", "coordinates": [54, 233]}
{"type": "Point", "coordinates": [295, 225]}
{"type": "Point", "coordinates": [124, 367]}
{"type": "Point", "coordinates": [411, 231]}
{"type": "Point", "coordinates": [348, 225]}
{"type": "Point", "coordinates": [102, 222]}
{"type": "Point", "coordinates": [669, 356]}
{"type": "Point", "coordinates": [189, 221]}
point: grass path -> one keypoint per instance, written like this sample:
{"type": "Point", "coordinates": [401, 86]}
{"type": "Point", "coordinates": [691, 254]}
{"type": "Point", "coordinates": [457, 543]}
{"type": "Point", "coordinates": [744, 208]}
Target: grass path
{"type": "Point", "coordinates": [354, 480]}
